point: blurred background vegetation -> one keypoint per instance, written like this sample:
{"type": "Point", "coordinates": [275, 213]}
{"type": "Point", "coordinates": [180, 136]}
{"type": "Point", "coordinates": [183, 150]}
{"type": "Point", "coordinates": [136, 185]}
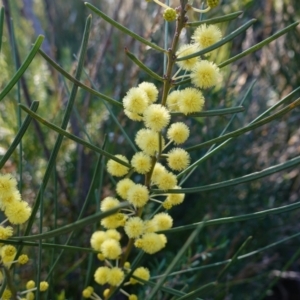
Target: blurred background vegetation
{"type": "Point", "coordinates": [276, 69]}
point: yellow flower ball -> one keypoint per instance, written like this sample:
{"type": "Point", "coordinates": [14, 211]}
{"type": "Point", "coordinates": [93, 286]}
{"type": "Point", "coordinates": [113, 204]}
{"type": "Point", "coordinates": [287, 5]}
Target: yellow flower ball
{"type": "Point", "coordinates": [142, 273]}
{"type": "Point", "coordinates": [191, 101]}
{"type": "Point", "coordinates": [212, 3]}
{"type": "Point", "coordinates": [111, 249]}
{"type": "Point", "coordinates": [5, 232]}
{"type": "Point", "coordinates": [133, 116]}
{"type": "Point", "coordinates": [87, 292]}
{"type": "Point", "coordinates": [166, 180]}
{"type": "Point", "coordinates": [141, 162]}
{"type": "Point", "coordinates": [97, 238]}
{"type": "Point", "coordinates": [101, 275]}
{"type": "Point", "coordinates": [6, 294]}
{"type": "Point", "coordinates": [30, 296]}
{"type": "Point", "coordinates": [205, 74]}
{"type": "Point", "coordinates": [114, 221]}
{"type": "Point", "coordinates": [30, 284]}
{"type": "Point", "coordinates": [151, 91]}
{"type": "Point", "coordinates": [148, 141]}
{"type": "Point", "coordinates": [17, 212]}
{"type": "Point", "coordinates": [123, 187]}
{"type": "Point", "coordinates": [8, 184]}
{"type": "Point", "coordinates": [8, 251]}
{"type": "Point", "coordinates": [175, 199]}
{"type": "Point", "coordinates": [170, 14]}
{"type": "Point", "coordinates": [133, 297]}
{"type": "Point", "coordinates": [116, 169]}
{"type": "Point", "coordinates": [101, 257]}
{"type": "Point", "coordinates": [149, 226]}
{"type": "Point", "coordinates": [157, 171]}
{"type": "Point", "coordinates": [134, 227]}
{"type": "Point", "coordinates": [23, 259]}
{"type": "Point", "coordinates": [127, 265]}
{"type": "Point", "coordinates": [150, 243]}
{"type": "Point", "coordinates": [178, 159]}
{"type": "Point", "coordinates": [163, 221]}
{"type": "Point", "coordinates": [173, 100]}
{"type": "Point", "coordinates": [113, 234]}
{"type": "Point", "coordinates": [186, 50]}
{"type": "Point", "coordinates": [138, 195]}
{"type": "Point", "coordinates": [156, 117]}
{"type": "Point", "coordinates": [115, 276]}
{"type": "Point", "coordinates": [109, 203]}
{"type": "Point", "coordinates": [10, 199]}
{"type": "Point", "coordinates": [206, 35]}
{"type": "Point", "coordinates": [178, 133]}
{"type": "Point", "coordinates": [136, 100]}
{"type": "Point", "coordinates": [44, 285]}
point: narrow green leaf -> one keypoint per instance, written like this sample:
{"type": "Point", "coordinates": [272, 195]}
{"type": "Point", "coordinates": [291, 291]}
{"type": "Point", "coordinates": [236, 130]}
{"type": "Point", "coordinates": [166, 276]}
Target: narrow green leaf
{"type": "Point", "coordinates": [216, 20]}
{"type": "Point", "coordinates": [77, 82]}
{"type": "Point", "coordinates": [142, 65]}
{"type": "Point", "coordinates": [1, 25]}
{"type": "Point", "coordinates": [73, 226]}
{"type": "Point", "coordinates": [199, 291]}
{"type": "Point", "coordinates": [73, 137]}
{"type": "Point", "coordinates": [64, 124]}
{"type": "Point", "coordinates": [259, 45]}
{"type": "Point", "coordinates": [247, 128]}
{"type": "Point", "coordinates": [246, 217]}
{"type": "Point", "coordinates": [250, 177]}
{"type": "Point", "coordinates": [23, 67]}
{"type": "Point", "coordinates": [18, 138]}
{"type": "Point", "coordinates": [122, 28]}
{"type": "Point", "coordinates": [176, 259]}
{"type": "Point", "coordinates": [234, 259]}
{"type": "Point", "coordinates": [215, 112]}
{"type": "Point", "coordinates": [223, 41]}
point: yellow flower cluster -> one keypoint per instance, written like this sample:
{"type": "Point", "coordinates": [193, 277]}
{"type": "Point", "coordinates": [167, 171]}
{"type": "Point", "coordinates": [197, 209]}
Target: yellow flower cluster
{"type": "Point", "coordinates": [159, 158]}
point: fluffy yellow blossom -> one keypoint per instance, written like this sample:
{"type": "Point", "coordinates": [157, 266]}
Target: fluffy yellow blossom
{"type": "Point", "coordinates": [127, 265]}
{"type": "Point", "coordinates": [191, 101]}
{"type": "Point", "coordinates": [97, 238]}
{"type": "Point", "coordinates": [178, 133]}
{"type": "Point", "coordinates": [206, 35]}
{"type": "Point", "coordinates": [136, 100]}
{"type": "Point", "coordinates": [166, 180]}
{"type": "Point", "coordinates": [157, 171]}
{"type": "Point", "coordinates": [44, 285]}
{"type": "Point", "coordinates": [142, 273]}
{"type": "Point", "coordinates": [100, 256]}
{"type": "Point", "coordinates": [13, 197]}
{"type": "Point", "coordinates": [173, 99]}
{"type": "Point", "coordinates": [109, 203]}
{"type": "Point", "coordinates": [205, 74]}
{"type": "Point", "coordinates": [8, 253]}
{"type": "Point", "coordinates": [151, 91]}
{"type": "Point", "coordinates": [30, 296]}
{"type": "Point", "coordinates": [174, 199]}
{"type": "Point", "coordinates": [8, 185]}
{"type": "Point", "coordinates": [156, 117]}
{"type": "Point", "coordinates": [133, 297]}
{"type": "Point", "coordinates": [162, 221]}
{"type": "Point", "coordinates": [114, 221]}
{"type": "Point", "coordinates": [111, 249]}
{"type": "Point", "coordinates": [148, 141]}
{"type": "Point", "coordinates": [134, 227]}
{"type": "Point", "coordinates": [133, 116]}
{"type": "Point", "coordinates": [30, 284]}
{"type": "Point", "coordinates": [5, 232]}
{"type": "Point", "coordinates": [23, 259]}
{"type": "Point", "coordinates": [6, 295]}
{"type": "Point", "coordinates": [101, 275]}
{"type": "Point", "coordinates": [178, 159]}
{"type": "Point", "coordinates": [113, 234]}
{"type": "Point", "coordinates": [151, 242]}
{"type": "Point", "coordinates": [87, 292]}
{"type": "Point", "coordinates": [116, 169]}
{"type": "Point", "coordinates": [170, 14]}
{"type": "Point", "coordinates": [115, 276]}
{"type": "Point", "coordinates": [138, 195]}
{"type": "Point", "coordinates": [123, 187]}
{"type": "Point", "coordinates": [106, 293]}
{"type": "Point", "coordinates": [186, 50]}
{"type": "Point", "coordinates": [141, 163]}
